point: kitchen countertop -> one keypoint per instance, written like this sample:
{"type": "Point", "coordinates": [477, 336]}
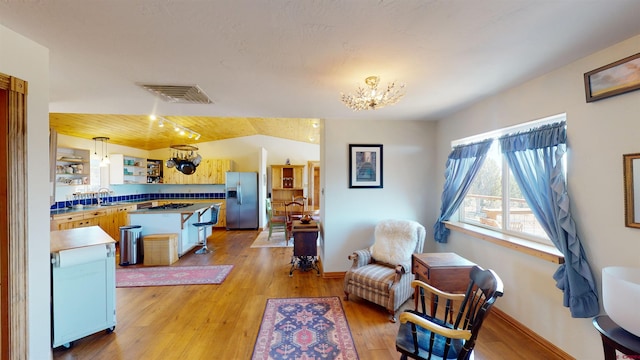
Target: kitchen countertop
{"type": "Point", "coordinates": [196, 206]}
{"type": "Point", "coordinates": [72, 210]}
{"type": "Point", "coordinates": [79, 237]}
{"type": "Point", "coordinates": [89, 208]}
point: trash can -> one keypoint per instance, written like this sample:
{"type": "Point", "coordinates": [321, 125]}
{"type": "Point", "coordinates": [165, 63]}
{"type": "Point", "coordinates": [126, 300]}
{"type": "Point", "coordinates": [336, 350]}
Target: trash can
{"type": "Point", "coordinates": [130, 245]}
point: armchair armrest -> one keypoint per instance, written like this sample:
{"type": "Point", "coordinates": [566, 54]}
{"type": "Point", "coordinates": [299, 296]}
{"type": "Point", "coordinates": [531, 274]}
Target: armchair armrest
{"type": "Point", "coordinates": [433, 327]}
{"type": "Point", "coordinates": [360, 258]}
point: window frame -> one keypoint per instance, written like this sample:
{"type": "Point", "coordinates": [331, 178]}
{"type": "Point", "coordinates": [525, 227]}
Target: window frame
{"type": "Point", "coordinates": [505, 173]}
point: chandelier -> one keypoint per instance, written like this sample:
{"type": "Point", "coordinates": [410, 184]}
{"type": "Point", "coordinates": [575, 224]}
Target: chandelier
{"type": "Point", "coordinates": [372, 98]}
{"type": "Point", "coordinates": [184, 159]}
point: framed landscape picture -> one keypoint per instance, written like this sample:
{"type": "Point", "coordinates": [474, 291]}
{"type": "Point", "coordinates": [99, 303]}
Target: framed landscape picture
{"type": "Point", "coordinates": [365, 166]}
{"type": "Point", "coordinates": [616, 78]}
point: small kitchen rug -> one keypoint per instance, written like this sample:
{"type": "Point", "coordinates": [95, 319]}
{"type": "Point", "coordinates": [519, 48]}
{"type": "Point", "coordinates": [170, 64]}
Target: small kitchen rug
{"type": "Point", "coordinates": [304, 328]}
{"type": "Point", "coordinates": [277, 240]}
{"type": "Point", "coordinates": [172, 275]}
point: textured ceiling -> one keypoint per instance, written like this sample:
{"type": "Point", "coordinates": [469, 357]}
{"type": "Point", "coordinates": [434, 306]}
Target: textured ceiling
{"type": "Point", "coordinates": [275, 59]}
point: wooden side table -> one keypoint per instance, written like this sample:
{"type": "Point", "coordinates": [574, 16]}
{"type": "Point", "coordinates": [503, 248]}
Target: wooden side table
{"type": "Point", "coordinates": [445, 271]}
{"type": "Point", "coordinates": [305, 246]}
{"type": "Point", "coordinates": [616, 338]}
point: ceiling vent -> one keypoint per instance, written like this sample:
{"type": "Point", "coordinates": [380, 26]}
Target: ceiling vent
{"type": "Point", "coordinates": [186, 94]}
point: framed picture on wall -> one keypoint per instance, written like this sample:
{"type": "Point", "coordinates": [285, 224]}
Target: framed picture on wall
{"type": "Point", "coordinates": [365, 166]}
{"type": "Point", "coordinates": [613, 79]}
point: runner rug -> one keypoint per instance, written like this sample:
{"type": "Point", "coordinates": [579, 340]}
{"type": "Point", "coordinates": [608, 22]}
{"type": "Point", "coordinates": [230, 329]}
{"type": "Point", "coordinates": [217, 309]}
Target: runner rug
{"type": "Point", "coordinates": [277, 240]}
{"type": "Point", "coordinates": [304, 328]}
{"type": "Point", "coordinates": [172, 275]}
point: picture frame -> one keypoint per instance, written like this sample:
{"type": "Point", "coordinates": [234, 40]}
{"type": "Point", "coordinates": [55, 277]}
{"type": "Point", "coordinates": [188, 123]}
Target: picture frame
{"type": "Point", "coordinates": [613, 79]}
{"type": "Point", "coordinates": [631, 175]}
{"type": "Point", "coordinates": [365, 166]}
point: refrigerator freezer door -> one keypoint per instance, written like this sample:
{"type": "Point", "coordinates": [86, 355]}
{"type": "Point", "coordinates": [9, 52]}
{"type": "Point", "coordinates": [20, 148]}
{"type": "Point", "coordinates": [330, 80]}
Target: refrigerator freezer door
{"type": "Point", "coordinates": [242, 200]}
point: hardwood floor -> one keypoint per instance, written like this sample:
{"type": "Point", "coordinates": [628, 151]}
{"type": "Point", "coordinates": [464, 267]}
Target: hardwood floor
{"type": "Point", "coordinates": [222, 321]}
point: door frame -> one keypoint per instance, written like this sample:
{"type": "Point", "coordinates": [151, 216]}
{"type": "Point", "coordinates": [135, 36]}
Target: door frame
{"type": "Point", "coordinates": [14, 340]}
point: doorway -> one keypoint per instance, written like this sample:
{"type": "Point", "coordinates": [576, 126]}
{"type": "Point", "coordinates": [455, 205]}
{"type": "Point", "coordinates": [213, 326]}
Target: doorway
{"type": "Point", "coordinates": [13, 218]}
{"type": "Point", "coordinates": [314, 185]}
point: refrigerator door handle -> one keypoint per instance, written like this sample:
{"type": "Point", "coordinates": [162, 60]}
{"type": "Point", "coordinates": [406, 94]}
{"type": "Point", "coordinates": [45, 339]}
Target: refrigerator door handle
{"type": "Point", "coordinates": [239, 194]}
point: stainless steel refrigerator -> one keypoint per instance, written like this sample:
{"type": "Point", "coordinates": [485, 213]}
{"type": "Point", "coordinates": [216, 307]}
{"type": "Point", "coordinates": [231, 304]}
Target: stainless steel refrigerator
{"type": "Point", "coordinates": [241, 190]}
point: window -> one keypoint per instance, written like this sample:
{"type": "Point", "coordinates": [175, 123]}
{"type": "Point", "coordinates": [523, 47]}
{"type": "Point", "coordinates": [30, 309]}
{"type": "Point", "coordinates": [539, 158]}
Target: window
{"type": "Point", "coordinates": [486, 204]}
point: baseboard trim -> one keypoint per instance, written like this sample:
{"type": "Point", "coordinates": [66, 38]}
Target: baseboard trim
{"type": "Point", "coordinates": [532, 335]}
{"type": "Point", "coordinates": [333, 275]}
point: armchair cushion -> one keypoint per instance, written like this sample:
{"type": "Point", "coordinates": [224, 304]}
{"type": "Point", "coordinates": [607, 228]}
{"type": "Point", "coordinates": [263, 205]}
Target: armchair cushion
{"type": "Point", "coordinates": [374, 278]}
{"type": "Point", "coordinates": [395, 241]}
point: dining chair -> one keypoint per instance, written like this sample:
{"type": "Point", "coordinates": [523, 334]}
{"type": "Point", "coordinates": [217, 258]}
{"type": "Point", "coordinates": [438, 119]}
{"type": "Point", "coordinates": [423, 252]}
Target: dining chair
{"type": "Point", "coordinates": [436, 334]}
{"type": "Point", "coordinates": [276, 222]}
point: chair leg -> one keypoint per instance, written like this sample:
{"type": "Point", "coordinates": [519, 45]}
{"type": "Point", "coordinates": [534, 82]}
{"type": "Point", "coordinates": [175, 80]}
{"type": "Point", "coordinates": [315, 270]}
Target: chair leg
{"type": "Point", "coordinates": [204, 249]}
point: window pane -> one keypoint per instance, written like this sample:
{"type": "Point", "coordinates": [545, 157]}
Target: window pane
{"type": "Point", "coordinates": [485, 206]}
{"type": "Point", "coordinates": [485, 192]}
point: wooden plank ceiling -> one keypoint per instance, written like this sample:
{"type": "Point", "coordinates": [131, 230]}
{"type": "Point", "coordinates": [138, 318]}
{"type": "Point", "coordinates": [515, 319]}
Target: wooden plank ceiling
{"type": "Point", "coordinates": [138, 131]}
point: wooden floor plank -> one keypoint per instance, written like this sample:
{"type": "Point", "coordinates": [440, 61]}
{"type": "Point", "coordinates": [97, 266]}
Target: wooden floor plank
{"type": "Point", "coordinates": [222, 321]}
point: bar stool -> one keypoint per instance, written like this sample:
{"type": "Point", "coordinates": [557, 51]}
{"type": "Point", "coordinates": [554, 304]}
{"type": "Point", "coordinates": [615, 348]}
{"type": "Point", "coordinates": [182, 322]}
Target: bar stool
{"type": "Point", "coordinates": [202, 228]}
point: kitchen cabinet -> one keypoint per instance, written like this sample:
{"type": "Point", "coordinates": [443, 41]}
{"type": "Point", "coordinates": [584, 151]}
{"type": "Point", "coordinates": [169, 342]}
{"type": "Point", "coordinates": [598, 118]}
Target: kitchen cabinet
{"type": "Point", "coordinates": [126, 169]}
{"type": "Point", "coordinates": [286, 184]}
{"type": "Point", "coordinates": [154, 171]}
{"type": "Point", "coordinates": [79, 219]}
{"type": "Point", "coordinates": [83, 296]}
{"type": "Point", "coordinates": [209, 171]}
{"type": "Point", "coordinates": [109, 219]}
{"type": "Point", "coordinates": [120, 217]}
{"type": "Point", "coordinates": [222, 216]}
{"type": "Point", "coordinates": [72, 166]}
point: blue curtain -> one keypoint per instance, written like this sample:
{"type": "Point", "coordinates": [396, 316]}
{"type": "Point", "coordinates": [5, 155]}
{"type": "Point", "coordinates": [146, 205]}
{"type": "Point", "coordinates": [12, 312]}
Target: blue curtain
{"type": "Point", "coordinates": [462, 166]}
{"type": "Point", "coordinates": [535, 159]}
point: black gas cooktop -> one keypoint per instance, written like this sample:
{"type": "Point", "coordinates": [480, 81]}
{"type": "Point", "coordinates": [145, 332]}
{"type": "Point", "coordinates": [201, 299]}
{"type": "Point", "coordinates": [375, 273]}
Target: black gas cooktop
{"type": "Point", "coordinates": [170, 206]}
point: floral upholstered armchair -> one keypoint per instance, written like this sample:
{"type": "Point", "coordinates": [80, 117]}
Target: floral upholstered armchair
{"type": "Point", "coordinates": [382, 273]}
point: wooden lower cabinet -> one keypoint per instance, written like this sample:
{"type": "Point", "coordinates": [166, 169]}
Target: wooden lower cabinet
{"type": "Point", "coordinates": [222, 217]}
{"type": "Point", "coordinates": [110, 219]}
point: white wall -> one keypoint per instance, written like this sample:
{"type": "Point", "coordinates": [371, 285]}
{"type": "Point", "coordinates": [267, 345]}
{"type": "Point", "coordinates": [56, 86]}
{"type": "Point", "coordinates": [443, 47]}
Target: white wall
{"type": "Point", "coordinates": [409, 171]}
{"type": "Point", "coordinates": [598, 134]}
{"type": "Point", "coordinates": [22, 58]}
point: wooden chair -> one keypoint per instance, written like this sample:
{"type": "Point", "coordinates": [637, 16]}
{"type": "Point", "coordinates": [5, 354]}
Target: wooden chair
{"type": "Point", "coordinates": [302, 200]}
{"type": "Point", "coordinates": [382, 273]}
{"type": "Point", "coordinates": [438, 335]}
{"type": "Point", "coordinates": [276, 222]}
{"type": "Point", "coordinates": [293, 211]}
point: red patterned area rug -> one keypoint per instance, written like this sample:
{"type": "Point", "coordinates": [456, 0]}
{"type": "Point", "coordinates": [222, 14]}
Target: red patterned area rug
{"type": "Point", "coordinates": [304, 328]}
{"type": "Point", "coordinates": [171, 275]}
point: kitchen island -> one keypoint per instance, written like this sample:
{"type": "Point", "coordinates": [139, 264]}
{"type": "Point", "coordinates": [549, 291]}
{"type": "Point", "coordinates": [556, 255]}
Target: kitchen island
{"type": "Point", "coordinates": [176, 218]}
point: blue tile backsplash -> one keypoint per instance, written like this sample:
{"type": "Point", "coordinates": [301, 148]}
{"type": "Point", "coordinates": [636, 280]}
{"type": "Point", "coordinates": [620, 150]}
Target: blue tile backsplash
{"type": "Point", "coordinates": [139, 197]}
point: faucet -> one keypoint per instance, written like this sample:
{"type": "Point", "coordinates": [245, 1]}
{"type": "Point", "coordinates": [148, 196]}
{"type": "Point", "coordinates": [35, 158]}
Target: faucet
{"type": "Point", "coordinates": [102, 194]}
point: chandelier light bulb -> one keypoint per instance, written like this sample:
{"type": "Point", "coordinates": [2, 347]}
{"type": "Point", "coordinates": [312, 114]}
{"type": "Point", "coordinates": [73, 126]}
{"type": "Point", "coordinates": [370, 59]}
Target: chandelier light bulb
{"type": "Point", "coordinates": [371, 98]}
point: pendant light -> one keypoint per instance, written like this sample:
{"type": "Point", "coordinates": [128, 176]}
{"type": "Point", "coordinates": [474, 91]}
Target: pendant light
{"type": "Point", "coordinates": [104, 149]}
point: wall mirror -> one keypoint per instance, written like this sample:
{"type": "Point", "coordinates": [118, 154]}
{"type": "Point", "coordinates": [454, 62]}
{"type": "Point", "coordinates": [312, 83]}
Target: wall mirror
{"type": "Point", "coordinates": [632, 190]}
